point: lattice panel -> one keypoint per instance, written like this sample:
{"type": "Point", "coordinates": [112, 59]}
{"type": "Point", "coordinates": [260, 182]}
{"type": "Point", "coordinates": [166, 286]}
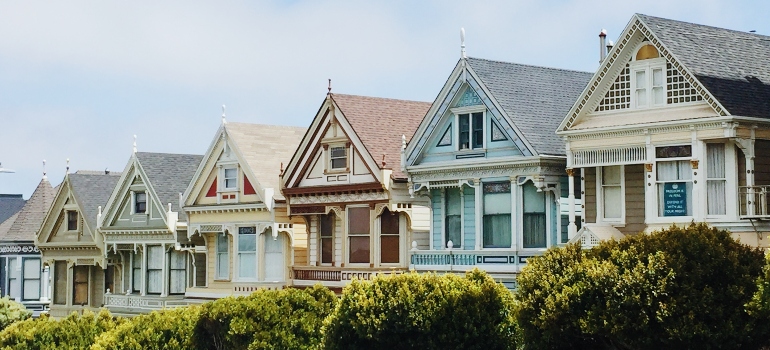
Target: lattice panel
{"type": "Point", "coordinates": [619, 95]}
{"type": "Point", "coordinates": [678, 89]}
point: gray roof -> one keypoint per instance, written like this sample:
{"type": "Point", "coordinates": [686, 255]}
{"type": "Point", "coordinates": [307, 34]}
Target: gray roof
{"type": "Point", "coordinates": [535, 98]}
{"type": "Point", "coordinates": [731, 65]}
{"type": "Point", "coordinates": [169, 174]}
{"type": "Point", "coordinates": [29, 219]}
{"type": "Point", "coordinates": [92, 189]}
{"type": "Point", "coordinates": [10, 204]}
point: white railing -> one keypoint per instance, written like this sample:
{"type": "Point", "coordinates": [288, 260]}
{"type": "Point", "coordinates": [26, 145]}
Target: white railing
{"type": "Point", "coordinates": [463, 260]}
{"type": "Point", "coordinates": [753, 201]}
{"type": "Point", "coordinates": [609, 156]}
{"type": "Point", "coordinates": [148, 302]}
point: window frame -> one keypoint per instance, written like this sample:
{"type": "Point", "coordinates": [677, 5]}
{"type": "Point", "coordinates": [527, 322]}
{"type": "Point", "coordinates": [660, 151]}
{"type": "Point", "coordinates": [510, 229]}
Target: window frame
{"type": "Point", "coordinates": [444, 217]}
{"type": "Point", "coordinates": [484, 214]}
{"type": "Point", "coordinates": [470, 111]}
{"type": "Point", "coordinates": [331, 237]}
{"type": "Point", "coordinates": [655, 210]}
{"type": "Point", "coordinates": [600, 200]}
{"type": "Point", "coordinates": [136, 203]}
{"type": "Point", "coordinates": [648, 66]}
{"type": "Point", "coordinates": [331, 158]}
{"type": "Point", "coordinates": [24, 278]}
{"type": "Point", "coordinates": [60, 275]}
{"type": "Point", "coordinates": [76, 214]}
{"type": "Point", "coordinates": [218, 252]}
{"type": "Point", "coordinates": [381, 234]}
{"type": "Point", "coordinates": [159, 270]}
{"type": "Point", "coordinates": [75, 284]}
{"type": "Point", "coordinates": [548, 203]}
{"type": "Point", "coordinates": [350, 235]}
{"type": "Point", "coordinates": [240, 254]}
{"type": "Point", "coordinates": [224, 186]}
{"type": "Point", "coordinates": [172, 269]}
{"type": "Point", "coordinates": [136, 268]}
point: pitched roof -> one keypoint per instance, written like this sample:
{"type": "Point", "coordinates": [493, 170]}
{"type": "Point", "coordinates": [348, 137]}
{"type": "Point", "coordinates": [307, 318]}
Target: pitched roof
{"type": "Point", "coordinates": [731, 65]}
{"type": "Point", "coordinates": [169, 174]}
{"type": "Point", "coordinates": [10, 204]}
{"type": "Point", "coordinates": [92, 189]}
{"type": "Point", "coordinates": [6, 225]}
{"type": "Point", "coordinates": [535, 98]}
{"type": "Point", "coordinates": [264, 148]}
{"type": "Point", "coordinates": [380, 122]}
{"type": "Point", "coordinates": [29, 219]}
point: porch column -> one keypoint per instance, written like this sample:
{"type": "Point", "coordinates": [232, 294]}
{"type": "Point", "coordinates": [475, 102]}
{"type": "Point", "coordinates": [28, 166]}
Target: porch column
{"type": "Point", "coordinates": [515, 215]}
{"type": "Point", "coordinates": [130, 273]}
{"type": "Point", "coordinates": [165, 273]}
{"type": "Point", "coordinates": [572, 228]}
{"type": "Point", "coordinates": [751, 197]}
{"type": "Point", "coordinates": [143, 289]}
{"type": "Point", "coordinates": [479, 212]}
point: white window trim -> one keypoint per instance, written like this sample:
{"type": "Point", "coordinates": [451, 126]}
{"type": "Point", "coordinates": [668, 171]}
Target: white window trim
{"type": "Point", "coordinates": [731, 182]}
{"type": "Point", "coordinates": [653, 214]}
{"type": "Point", "coordinates": [223, 180]}
{"type": "Point", "coordinates": [485, 128]}
{"type": "Point", "coordinates": [67, 219]}
{"type": "Point", "coordinates": [600, 198]}
{"type": "Point", "coordinates": [236, 258]}
{"type": "Point", "coordinates": [348, 153]}
{"type": "Point", "coordinates": [647, 65]}
{"type": "Point", "coordinates": [347, 236]}
{"type": "Point", "coordinates": [217, 276]}
{"type": "Point", "coordinates": [146, 203]}
{"type": "Point", "coordinates": [549, 202]}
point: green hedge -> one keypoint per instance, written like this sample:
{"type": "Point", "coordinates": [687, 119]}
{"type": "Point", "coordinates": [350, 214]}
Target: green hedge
{"type": "Point", "coordinates": [11, 311]}
{"type": "Point", "coordinates": [427, 311]}
{"type": "Point", "coordinates": [169, 329]}
{"type": "Point", "coordinates": [73, 332]}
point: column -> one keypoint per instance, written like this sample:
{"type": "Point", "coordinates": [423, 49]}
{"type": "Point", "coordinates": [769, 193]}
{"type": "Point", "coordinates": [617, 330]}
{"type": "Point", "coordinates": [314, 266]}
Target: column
{"type": "Point", "coordinates": [165, 273]}
{"type": "Point", "coordinates": [130, 273]}
{"type": "Point", "coordinates": [479, 213]}
{"type": "Point", "coordinates": [572, 228]}
{"type": "Point", "coordinates": [143, 289]}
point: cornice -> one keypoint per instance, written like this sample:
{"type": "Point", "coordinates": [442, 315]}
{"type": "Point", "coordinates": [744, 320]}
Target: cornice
{"type": "Point", "coordinates": [226, 208]}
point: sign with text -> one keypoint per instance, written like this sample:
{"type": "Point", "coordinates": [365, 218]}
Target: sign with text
{"type": "Point", "coordinates": [675, 199]}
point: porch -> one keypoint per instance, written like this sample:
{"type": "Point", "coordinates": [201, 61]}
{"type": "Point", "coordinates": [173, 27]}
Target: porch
{"type": "Point", "coordinates": [332, 276]}
{"type": "Point", "coordinates": [491, 261]}
{"type": "Point", "coordinates": [134, 304]}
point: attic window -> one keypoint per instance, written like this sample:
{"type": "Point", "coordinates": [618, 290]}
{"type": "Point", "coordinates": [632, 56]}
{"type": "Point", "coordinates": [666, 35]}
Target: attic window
{"type": "Point", "coordinates": [72, 220]}
{"type": "Point", "coordinates": [140, 203]}
{"type": "Point", "coordinates": [231, 178]}
{"type": "Point", "coordinates": [338, 157]}
{"type": "Point", "coordinates": [646, 52]}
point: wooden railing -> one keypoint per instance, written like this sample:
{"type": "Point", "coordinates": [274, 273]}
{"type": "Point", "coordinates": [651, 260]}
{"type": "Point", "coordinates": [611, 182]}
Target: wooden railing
{"type": "Point", "coordinates": [339, 274]}
{"type": "Point", "coordinates": [753, 201]}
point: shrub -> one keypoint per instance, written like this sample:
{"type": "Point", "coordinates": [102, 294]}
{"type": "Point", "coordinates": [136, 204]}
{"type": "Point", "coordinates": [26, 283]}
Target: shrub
{"type": "Point", "coordinates": [73, 332]}
{"type": "Point", "coordinates": [169, 329]}
{"type": "Point", "coordinates": [423, 311]}
{"type": "Point", "coordinates": [11, 311]}
{"type": "Point", "coordinates": [284, 319]}
{"type": "Point", "coordinates": [676, 288]}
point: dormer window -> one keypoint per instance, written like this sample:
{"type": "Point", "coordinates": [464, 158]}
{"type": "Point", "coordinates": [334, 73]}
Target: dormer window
{"type": "Point", "coordinates": [648, 71]}
{"type": "Point", "coordinates": [140, 202]}
{"type": "Point", "coordinates": [230, 178]}
{"type": "Point", "coordinates": [72, 220]}
{"type": "Point", "coordinates": [338, 157]}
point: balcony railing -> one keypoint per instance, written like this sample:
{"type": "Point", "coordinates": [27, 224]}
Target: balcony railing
{"type": "Point", "coordinates": [464, 260]}
{"type": "Point", "coordinates": [147, 302]}
{"type": "Point", "coordinates": [753, 202]}
{"type": "Point", "coordinates": [338, 274]}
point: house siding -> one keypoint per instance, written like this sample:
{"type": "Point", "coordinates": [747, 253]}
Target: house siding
{"type": "Point", "coordinates": [437, 219]}
{"type": "Point", "coordinates": [634, 197]}
{"type": "Point", "coordinates": [589, 195]}
{"type": "Point", "coordinates": [469, 218]}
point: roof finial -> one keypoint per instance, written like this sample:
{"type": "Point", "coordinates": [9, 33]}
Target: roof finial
{"type": "Point", "coordinates": [281, 168]}
{"type": "Point", "coordinates": [403, 141]}
{"type": "Point", "coordinates": [44, 174]}
{"type": "Point", "coordinates": [134, 143]}
{"type": "Point", "coordinates": [224, 121]}
{"type": "Point", "coordinates": [68, 165]}
{"type": "Point", "coordinates": [330, 86]}
{"type": "Point", "coordinates": [383, 161]}
{"type": "Point", "coordinates": [462, 43]}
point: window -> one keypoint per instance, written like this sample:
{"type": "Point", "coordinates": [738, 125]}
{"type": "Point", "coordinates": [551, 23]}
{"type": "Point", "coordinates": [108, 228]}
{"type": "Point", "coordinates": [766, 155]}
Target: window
{"type": "Point", "coordinates": [109, 279]}
{"type": "Point", "coordinates": [140, 202]}
{"type": "Point", "coordinates": [72, 220]}
{"type": "Point", "coordinates": [31, 279]}
{"type": "Point", "coordinates": [648, 74]}
{"type": "Point", "coordinates": [564, 204]}
{"type": "Point", "coordinates": [327, 238]}
{"type": "Point", "coordinates": [137, 272]}
{"type": "Point", "coordinates": [471, 130]}
{"type": "Point", "coordinates": [389, 237]}
{"type": "Point", "coordinates": [80, 285]}
{"type": "Point", "coordinates": [497, 215]}
{"type": "Point", "coordinates": [716, 179]}
{"type": "Point", "coordinates": [358, 232]}
{"type": "Point", "coordinates": [223, 257]}
{"type": "Point", "coordinates": [534, 224]}
{"type": "Point", "coordinates": [453, 217]}
{"type": "Point", "coordinates": [338, 157]}
{"type": "Point", "coordinates": [60, 282]}
{"type": "Point", "coordinates": [13, 277]}
{"type": "Point", "coordinates": [612, 192]}
{"type": "Point", "coordinates": [247, 252]}
{"type": "Point", "coordinates": [177, 272]}
{"type": "Point", "coordinates": [155, 261]}
{"type": "Point", "coordinates": [231, 178]}
{"type": "Point", "coordinates": [674, 180]}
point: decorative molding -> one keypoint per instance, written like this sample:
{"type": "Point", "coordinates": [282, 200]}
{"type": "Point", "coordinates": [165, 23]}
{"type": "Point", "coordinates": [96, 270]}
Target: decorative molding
{"type": "Point", "coordinates": [19, 248]}
{"type": "Point", "coordinates": [219, 209]}
{"type": "Point", "coordinates": [636, 130]}
{"type": "Point", "coordinates": [336, 209]}
{"type": "Point", "coordinates": [478, 172]}
{"type": "Point", "coordinates": [339, 198]}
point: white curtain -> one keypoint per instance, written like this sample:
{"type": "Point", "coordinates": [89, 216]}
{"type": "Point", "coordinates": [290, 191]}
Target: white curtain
{"type": "Point", "coordinates": [178, 272]}
{"type": "Point", "coordinates": [497, 220]}
{"type": "Point", "coordinates": [534, 220]}
{"type": "Point", "coordinates": [155, 261]}
{"type": "Point", "coordinates": [275, 264]}
{"type": "Point", "coordinates": [31, 279]}
{"type": "Point", "coordinates": [223, 257]}
{"type": "Point", "coordinates": [715, 171]}
{"type": "Point", "coordinates": [247, 255]}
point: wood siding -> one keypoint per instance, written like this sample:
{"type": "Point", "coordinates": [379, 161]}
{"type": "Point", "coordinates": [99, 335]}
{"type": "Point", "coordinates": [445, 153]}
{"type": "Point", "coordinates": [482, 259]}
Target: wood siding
{"type": "Point", "coordinates": [469, 218]}
{"type": "Point", "coordinates": [761, 162]}
{"type": "Point", "coordinates": [634, 198]}
{"type": "Point", "coordinates": [589, 195]}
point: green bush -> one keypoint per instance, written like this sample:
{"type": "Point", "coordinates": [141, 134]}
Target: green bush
{"type": "Point", "coordinates": [423, 311]}
{"type": "Point", "coordinates": [73, 332]}
{"type": "Point", "coordinates": [676, 288]}
{"type": "Point", "coordinates": [267, 319]}
{"type": "Point", "coordinates": [11, 311]}
{"type": "Point", "coordinates": [169, 329]}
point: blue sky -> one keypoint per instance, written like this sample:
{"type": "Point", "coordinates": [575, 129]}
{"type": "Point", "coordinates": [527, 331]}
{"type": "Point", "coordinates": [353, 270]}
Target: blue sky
{"type": "Point", "coordinates": [79, 78]}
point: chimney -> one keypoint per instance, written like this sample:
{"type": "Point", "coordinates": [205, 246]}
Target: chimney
{"type": "Point", "coordinates": [610, 44]}
{"type": "Point", "coordinates": [602, 45]}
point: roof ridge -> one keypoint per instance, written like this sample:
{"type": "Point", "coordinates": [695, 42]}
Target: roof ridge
{"type": "Point", "coordinates": [760, 36]}
{"type": "Point", "coordinates": [269, 125]}
{"type": "Point", "coordinates": [380, 98]}
{"type": "Point", "coordinates": [170, 154]}
{"type": "Point", "coordinates": [96, 172]}
{"type": "Point", "coordinates": [531, 65]}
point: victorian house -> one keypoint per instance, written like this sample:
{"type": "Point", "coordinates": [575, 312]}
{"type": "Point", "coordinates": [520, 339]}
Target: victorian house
{"type": "Point", "coordinates": [486, 158]}
{"type": "Point", "coordinates": [345, 180]}
{"type": "Point", "coordinates": [236, 213]}
{"type": "Point", "coordinates": [22, 275]}
{"type": "Point", "coordinates": [150, 260]}
{"type": "Point", "coordinates": [674, 127]}
{"type": "Point", "coordinates": [72, 246]}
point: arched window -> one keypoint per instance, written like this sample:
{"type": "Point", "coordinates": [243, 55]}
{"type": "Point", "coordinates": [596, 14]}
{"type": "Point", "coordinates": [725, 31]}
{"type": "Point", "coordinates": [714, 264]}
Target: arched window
{"type": "Point", "coordinates": [647, 52]}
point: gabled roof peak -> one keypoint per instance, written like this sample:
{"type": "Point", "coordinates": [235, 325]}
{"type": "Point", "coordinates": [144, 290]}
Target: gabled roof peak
{"type": "Point", "coordinates": [646, 18]}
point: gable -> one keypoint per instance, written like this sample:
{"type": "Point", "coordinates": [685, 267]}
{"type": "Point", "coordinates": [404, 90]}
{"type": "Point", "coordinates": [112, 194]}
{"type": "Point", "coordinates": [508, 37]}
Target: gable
{"type": "Point", "coordinates": [127, 214]}
{"type": "Point", "coordinates": [55, 228]}
{"type": "Point", "coordinates": [612, 88]}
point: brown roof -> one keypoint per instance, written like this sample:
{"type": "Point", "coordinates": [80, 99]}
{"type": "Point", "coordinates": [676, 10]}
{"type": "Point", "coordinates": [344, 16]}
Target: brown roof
{"type": "Point", "coordinates": [379, 124]}
{"type": "Point", "coordinates": [29, 219]}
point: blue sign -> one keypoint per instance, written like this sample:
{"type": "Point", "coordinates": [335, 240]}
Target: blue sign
{"type": "Point", "coordinates": [675, 199]}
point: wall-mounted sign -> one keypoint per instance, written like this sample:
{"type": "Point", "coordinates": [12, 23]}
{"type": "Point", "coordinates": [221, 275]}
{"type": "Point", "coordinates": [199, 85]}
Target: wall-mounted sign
{"type": "Point", "coordinates": [675, 199]}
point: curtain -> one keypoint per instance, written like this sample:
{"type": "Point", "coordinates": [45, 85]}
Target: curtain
{"type": "Point", "coordinates": [155, 261]}
{"type": "Point", "coordinates": [31, 279]}
{"type": "Point", "coordinates": [715, 172]}
{"type": "Point", "coordinates": [137, 271]}
{"type": "Point", "coordinates": [178, 272]}
{"type": "Point", "coordinates": [453, 215]}
{"type": "Point", "coordinates": [247, 255]}
{"type": "Point", "coordinates": [223, 257]}
{"type": "Point", "coordinates": [534, 221]}
{"type": "Point", "coordinates": [497, 231]}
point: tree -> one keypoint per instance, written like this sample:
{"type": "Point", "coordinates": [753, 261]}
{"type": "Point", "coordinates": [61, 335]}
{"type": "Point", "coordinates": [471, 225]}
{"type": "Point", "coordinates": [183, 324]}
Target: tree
{"type": "Point", "coordinates": [168, 329]}
{"type": "Point", "coordinates": [11, 311]}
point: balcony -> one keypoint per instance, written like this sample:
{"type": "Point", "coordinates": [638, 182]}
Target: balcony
{"type": "Point", "coordinates": [332, 276]}
{"type": "Point", "coordinates": [753, 202]}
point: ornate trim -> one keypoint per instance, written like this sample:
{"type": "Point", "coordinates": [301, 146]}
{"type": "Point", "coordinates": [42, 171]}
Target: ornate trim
{"type": "Point", "coordinates": [19, 248]}
{"type": "Point", "coordinates": [436, 176]}
{"type": "Point", "coordinates": [339, 198]}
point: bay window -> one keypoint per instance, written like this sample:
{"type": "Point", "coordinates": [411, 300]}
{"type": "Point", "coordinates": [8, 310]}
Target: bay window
{"type": "Point", "coordinates": [497, 215]}
{"type": "Point", "coordinates": [247, 252]}
{"type": "Point", "coordinates": [389, 237]}
{"type": "Point", "coordinates": [358, 232]}
{"type": "Point", "coordinates": [674, 180]}
{"type": "Point", "coordinates": [453, 217]}
{"type": "Point", "coordinates": [534, 218]}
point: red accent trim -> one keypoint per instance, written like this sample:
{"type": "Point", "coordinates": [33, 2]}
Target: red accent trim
{"type": "Point", "coordinates": [247, 187]}
{"type": "Point", "coordinates": [213, 189]}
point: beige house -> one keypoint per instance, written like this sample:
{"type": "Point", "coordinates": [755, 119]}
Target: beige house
{"type": "Point", "coordinates": [345, 181]}
{"type": "Point", "coordinates": [674, 127]}
{"type": "Point", "coordinates": [72, 246]}
{"type": "Point", "coordinates": [237, 214]}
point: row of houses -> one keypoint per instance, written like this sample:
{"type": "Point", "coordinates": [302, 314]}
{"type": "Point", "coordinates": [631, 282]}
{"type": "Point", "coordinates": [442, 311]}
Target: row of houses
{"type": "Point", "coordinates": [508, 161]}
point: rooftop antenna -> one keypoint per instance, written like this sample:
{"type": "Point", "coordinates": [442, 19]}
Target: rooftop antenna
{"type": "Point", "coordinates": [4, 170]}
{"type": "Point", "coordinates": [330, 86]}
{"type": "Point", "coordinates": [134, 143]}
{"type": "Point", "coordinates": [462, 43]}
{"type": "Point", "coordinates": [224, 120]}
{"type": "Point", "coordinates": [753, 31]}
{"type": "Point", "coordinates": [45, 177]}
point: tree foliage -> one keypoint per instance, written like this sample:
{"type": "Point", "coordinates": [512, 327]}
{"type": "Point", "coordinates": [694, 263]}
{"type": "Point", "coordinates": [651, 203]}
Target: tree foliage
{"type": "Point", "coordinates": [425, 311]}
{"type": "Point", "coordinates": [676, 288]}
{"type": "Point", "coordinates": [73, 332]}
{"type": "Point", "coordinates": [12, 311]}
{"type": "Point", "coordinates": [168, 329]}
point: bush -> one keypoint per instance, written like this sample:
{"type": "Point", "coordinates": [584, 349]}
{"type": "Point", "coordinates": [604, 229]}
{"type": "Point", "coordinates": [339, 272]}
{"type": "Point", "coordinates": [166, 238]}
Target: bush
{"type": "Point", "coordinates": [11, 311]}
{"type": "Point", "coordinates": [423, 311]}
{"type": "Point", "coordinates": [169, 329]}
{"type": "Point", "coordinates": [73, 332]}
{"type": "Point", "coordinates": [676, 288]}
{"type": "Point", "coordinates": [284, 319]}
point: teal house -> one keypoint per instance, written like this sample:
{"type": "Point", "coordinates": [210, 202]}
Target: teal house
{"type": "Point", "coordinates": [487, 157]}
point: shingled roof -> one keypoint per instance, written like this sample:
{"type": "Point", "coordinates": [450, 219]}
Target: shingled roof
{"type": "Point", "coordinates": [29, 219]}
{"type": "Point", "coordinates": [264, 148]}
{"type": "Point", "coordinates": [380, 122]}
{"type": "Point", "coordinates": [535, 98]}
{"type": "Point", "coordinates": [731, 65]}
{"type": "Point", "coordinates": [169, 174]}
{"type": "Point", "coordinates": [91, 190]}
{"type": "Point", "coordinates": [10, 204]}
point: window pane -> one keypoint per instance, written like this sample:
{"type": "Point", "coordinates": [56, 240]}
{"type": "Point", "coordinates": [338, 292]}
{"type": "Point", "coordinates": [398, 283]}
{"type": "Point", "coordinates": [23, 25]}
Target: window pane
{"type": "Point", "coordinates": [453, 231]}
{"type": "Point", "coordinates": [31, 268]}
{"type": "Point", "coordinates": [247, 265]}
{"type": "Point", "coordinates": [137, 283]}
{"type": "Point", "coordinates": [178, 260]}
{"type": "Point", "coordinates": [453, 205]}
{"type": "Point", "coordinates": [359, 249]}
{"type": "Point", "coordinates": [247, 243]}
{"type": "Point", "coordinates": [327, 250]}
{"type": "Point", "coordinates": [60, 283]}
{"type": "Point", "coordinates": [497, 231]}
{"type": "Point", "coordinates": [611, 175]}
{"type": "Point", "coordinates": [80, 292]}
{"type": "Point", "coordinates": [358, 221]}
{"type": "Point", "coordinates": [327, 225]}
{"type": "Point", "coordinates": [478, 130]}
{"type": "Point", "coordinates": [672, 171]}
{"type": "Point", "coordinates": [31, 289]}
{"type": "Point", "coordinates": [389, 223]}
{"type": "Point", "coordinates": [674, 199]}
{"type": "Point", "coordinates": [389, 250]}
{"type": "Point", "coordinates": [178, 282]}
{"type": "Point", "coordinates": [534, 201]}
{"type": "Point", "coordinates": [221, 243]}
{"type": "Point", "coordinates": [657, 77]}
{"type": "Point", "coordinates": [155, 257]}
{"type": "Point", "coordinates": [154, 281]}
{"type": "Point", "coordinates": [612, 202]}
{"type": "Point", "coordinates": [641, 79]}
{"type": "Point", "coordinates": [72, 220]}
{"type": "Point", "coordinates": [715, 191]}
{"type": "Point", "coordinates": [223, 266]}
{"type": "Point", "coordinates": [715, 160]}
{"type": "Point", "coordinates": [716, 197]}
{"type": "Point", "coordinates": [534, 230]}
{"type": "Point", "coordinates": [230, 173]}
{"type": "Point", "coordinates": [464, 131]}
{"type": "Point", "coordinates": [497, 203]}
